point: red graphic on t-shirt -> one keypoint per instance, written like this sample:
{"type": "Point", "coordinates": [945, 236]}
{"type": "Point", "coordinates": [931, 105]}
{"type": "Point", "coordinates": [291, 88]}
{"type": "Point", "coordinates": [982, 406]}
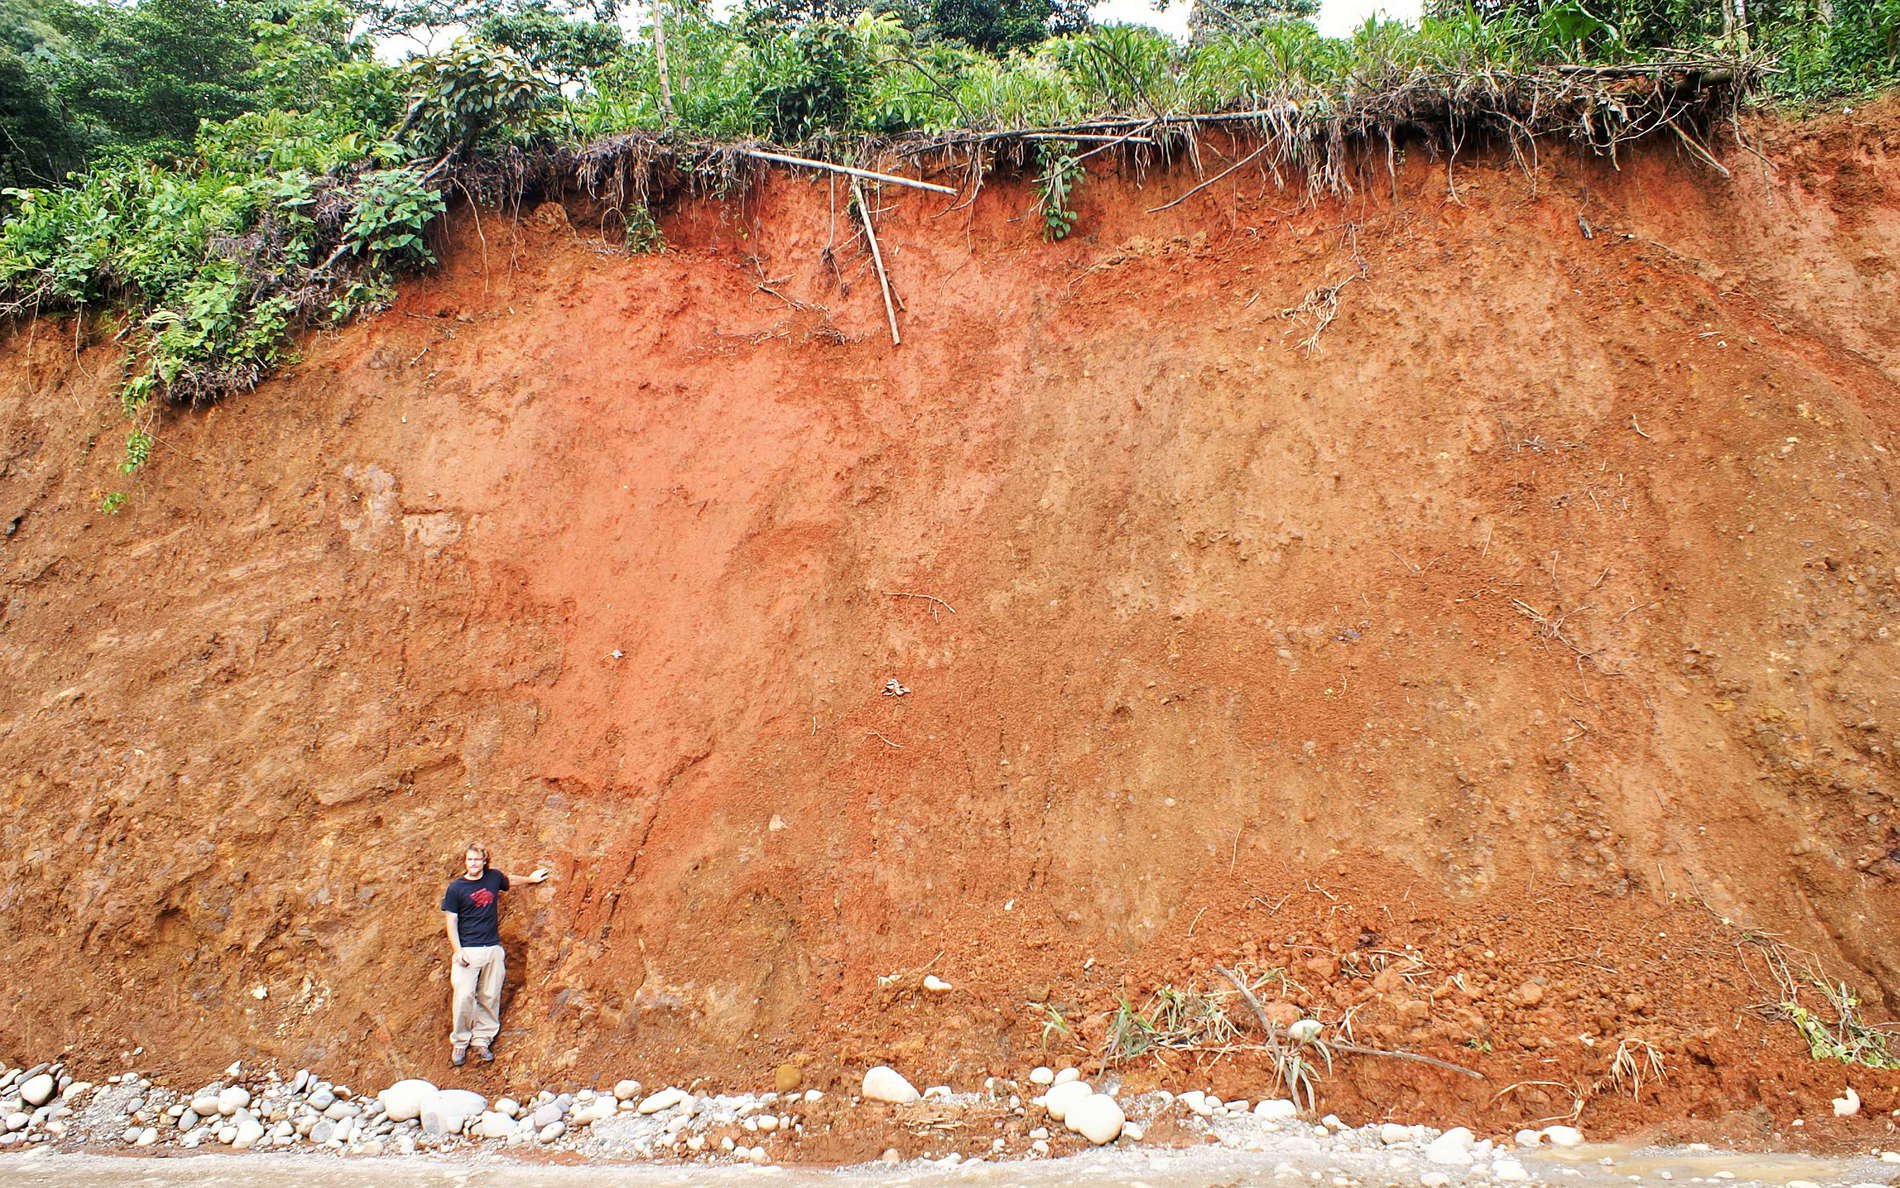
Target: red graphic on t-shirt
{"type": "Point", "coordinates": [482, 898]}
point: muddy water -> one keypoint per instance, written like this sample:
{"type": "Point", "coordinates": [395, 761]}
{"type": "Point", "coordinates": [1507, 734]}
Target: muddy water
{"type": "Point", "coordinates": [1205, 1168]}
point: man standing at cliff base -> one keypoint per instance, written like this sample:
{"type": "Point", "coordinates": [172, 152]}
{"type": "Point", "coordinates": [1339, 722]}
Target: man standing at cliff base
{"type": "Point", "coordinates": [471, 910]}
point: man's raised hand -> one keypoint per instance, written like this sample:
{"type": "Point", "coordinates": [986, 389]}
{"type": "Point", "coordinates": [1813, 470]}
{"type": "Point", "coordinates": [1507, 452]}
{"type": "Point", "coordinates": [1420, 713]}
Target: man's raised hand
{"type": "Point", "coordinates": [540, 875]}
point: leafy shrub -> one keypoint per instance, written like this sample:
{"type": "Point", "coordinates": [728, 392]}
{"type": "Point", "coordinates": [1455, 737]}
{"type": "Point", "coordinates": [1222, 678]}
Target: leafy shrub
{"type": "Point", "coordinates": [1060, 175]}
{"type": "Point", "coordinates": [393, 209]}
{"type": "Point", "coordinates": [471, 91]}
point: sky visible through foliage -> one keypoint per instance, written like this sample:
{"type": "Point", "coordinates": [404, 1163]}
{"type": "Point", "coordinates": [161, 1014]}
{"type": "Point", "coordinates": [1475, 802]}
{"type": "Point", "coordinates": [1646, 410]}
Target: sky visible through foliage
{"type": "Point", "coordinates": [1336, 18]}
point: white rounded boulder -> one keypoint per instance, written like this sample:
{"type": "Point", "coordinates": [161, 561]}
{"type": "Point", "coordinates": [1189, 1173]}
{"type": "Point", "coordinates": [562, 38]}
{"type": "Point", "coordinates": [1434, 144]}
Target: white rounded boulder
{"type": "Point", "coordinates": [405, 1100]}
{"type": "Point", "coordinates": [1451, 1149]}
{"type": "Point", "coordinates": [451, 1108]}
{"type": "Point", "coordinates": [38, 1090]}
{"type": "Point", "coordinates": [883, 1083]}
{"type": "Point", "coordinates": [1061, 1098]}
{"type": "Point", "coordinates": [1097, 1118]}
{"type": "Point", "coordinates": [664, 1099]}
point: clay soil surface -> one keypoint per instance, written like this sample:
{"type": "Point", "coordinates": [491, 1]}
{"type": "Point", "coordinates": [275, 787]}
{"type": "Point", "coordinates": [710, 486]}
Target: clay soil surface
{"type": "Point", "coordinates": [1473, 599]}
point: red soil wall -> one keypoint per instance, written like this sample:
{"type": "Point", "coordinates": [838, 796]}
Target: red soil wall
{"type": "Point", "coordinates": [594, 556]}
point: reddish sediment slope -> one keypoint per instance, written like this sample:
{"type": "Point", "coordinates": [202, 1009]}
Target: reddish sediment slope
{"type": "Point", "coordinates": [1485, 666]}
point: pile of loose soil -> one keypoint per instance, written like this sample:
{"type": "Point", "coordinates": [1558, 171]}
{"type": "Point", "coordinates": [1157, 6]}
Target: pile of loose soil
{"type": "Point", "coordinates": [1472, 599]}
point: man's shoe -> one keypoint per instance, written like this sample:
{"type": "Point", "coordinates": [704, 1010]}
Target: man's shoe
{"type": "Point", "coordinates": [459, 1055]}
{"type": "Point", "coordinates": [483, 1054]}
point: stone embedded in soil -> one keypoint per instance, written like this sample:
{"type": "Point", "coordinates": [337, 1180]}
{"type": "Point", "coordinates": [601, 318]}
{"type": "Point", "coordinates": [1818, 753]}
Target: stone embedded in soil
{"type": "Point", "coordinates": [1564, 1136]}
{"type": "Point", "coordinates": [1097, 1118]}
{"type": "Point", "coordinates": [787, 1078]}
{"type": "Point", "coordinates": [233, 1099]}
{"type": "Point", "coordinates": [665, 1099]}
{"type": "Point", "coordinates": [1276, 1109]}
{"type": "Point", "coordinates": [1042, 1075]}
{"type": "Point", "coordinates": [626, 1090]}
{"type": "Point", "coordinates": [883, 1083]}
{"type": "Point", "coordinates": [936, 985]}
{"type": "Point", "coordinates": [1061, 1097]}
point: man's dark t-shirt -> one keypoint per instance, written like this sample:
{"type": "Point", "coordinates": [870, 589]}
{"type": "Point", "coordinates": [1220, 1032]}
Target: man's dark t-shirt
{"type": "Point", "coordinates": [475, 903]}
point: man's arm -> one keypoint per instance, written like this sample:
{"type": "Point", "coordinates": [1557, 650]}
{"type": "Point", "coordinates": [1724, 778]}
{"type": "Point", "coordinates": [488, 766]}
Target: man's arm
{"type": "Point", "coordinates": [540, 875]}
{"type": "Point", "coordinates": [455, 936]}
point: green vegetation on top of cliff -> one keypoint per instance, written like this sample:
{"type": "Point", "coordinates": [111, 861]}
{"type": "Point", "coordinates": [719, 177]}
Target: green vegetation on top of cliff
{"type": "Point", "coordinates": [216, 175]}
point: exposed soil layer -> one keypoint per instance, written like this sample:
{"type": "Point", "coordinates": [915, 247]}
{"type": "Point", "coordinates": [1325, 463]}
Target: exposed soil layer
{"type": "Point", "coordinates": [1484, 666]}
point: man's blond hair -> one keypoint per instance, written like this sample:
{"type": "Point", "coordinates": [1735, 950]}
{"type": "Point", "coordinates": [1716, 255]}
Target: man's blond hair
{"type": "Point", "coordinates": [478, 848]}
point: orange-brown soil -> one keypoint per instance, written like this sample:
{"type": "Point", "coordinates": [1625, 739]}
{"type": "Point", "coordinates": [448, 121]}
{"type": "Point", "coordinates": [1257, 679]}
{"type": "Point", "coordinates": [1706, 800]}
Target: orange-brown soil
{"type": "Point", "coordinates": [1485, 667]}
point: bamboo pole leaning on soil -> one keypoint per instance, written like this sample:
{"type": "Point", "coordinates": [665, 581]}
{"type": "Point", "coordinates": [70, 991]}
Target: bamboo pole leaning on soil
{"type": "Point", "coordinates": [877, 258]}
{"type": "Point", "coordinates": [850, 170]}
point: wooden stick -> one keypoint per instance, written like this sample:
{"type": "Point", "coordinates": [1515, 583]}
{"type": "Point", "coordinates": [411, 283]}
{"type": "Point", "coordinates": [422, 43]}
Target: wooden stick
{"type": "Point", "coordinates": [1088, 136]}
{"type": "Point", "coordinates": [877, 258]}
{"type": "Point", "coordinates": [1210, 181]}
{"type": "Point", "coordinates": [1260, 1013]}
{"type": "Point", "coordinates": [851, 170]}
{"type": "Point", "coordinates": [1447, 1065]}
{"type": "Point", "coordinates": [927, 597]}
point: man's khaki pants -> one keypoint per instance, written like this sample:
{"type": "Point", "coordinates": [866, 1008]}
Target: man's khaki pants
{"type": "Point", "coordinates": [476, 994]}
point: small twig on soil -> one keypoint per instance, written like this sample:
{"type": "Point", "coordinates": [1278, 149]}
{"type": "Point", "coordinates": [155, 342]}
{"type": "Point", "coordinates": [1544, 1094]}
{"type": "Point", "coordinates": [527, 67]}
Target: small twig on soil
{"type": "Point", "coordinates": [1210, 181]}
{"type": "Point", "coordinates": [1638, 428]}
{"type": "Point", "coordinates": [1447, 1065]}
{"type": "Point", "coordinates": [1259, 1012]}
{"type": "Point", "coordinates": [1576, 960]}
{"type": "Point", "coordinates": [1632, 610]}
{"type": "Point", "coordinates": [1196, 921]}
{"type": "Point", "coordinates": [926, 597]}
{"type": "Point", "coordinates": [887, 742]}
{"type": "Point", "coordinates": [1695, 148]}
{"type": "Point", "coordinates": [1569, 1090]}
{"type": "Point", "coordinates": [877, 258]}
{"type": "Point", "coordinates": [1323, 304]}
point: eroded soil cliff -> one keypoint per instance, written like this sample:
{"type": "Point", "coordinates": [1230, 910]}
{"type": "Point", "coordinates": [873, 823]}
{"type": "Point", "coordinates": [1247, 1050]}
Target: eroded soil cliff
{"type": "Point", "coordinates": [1486, 666]}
